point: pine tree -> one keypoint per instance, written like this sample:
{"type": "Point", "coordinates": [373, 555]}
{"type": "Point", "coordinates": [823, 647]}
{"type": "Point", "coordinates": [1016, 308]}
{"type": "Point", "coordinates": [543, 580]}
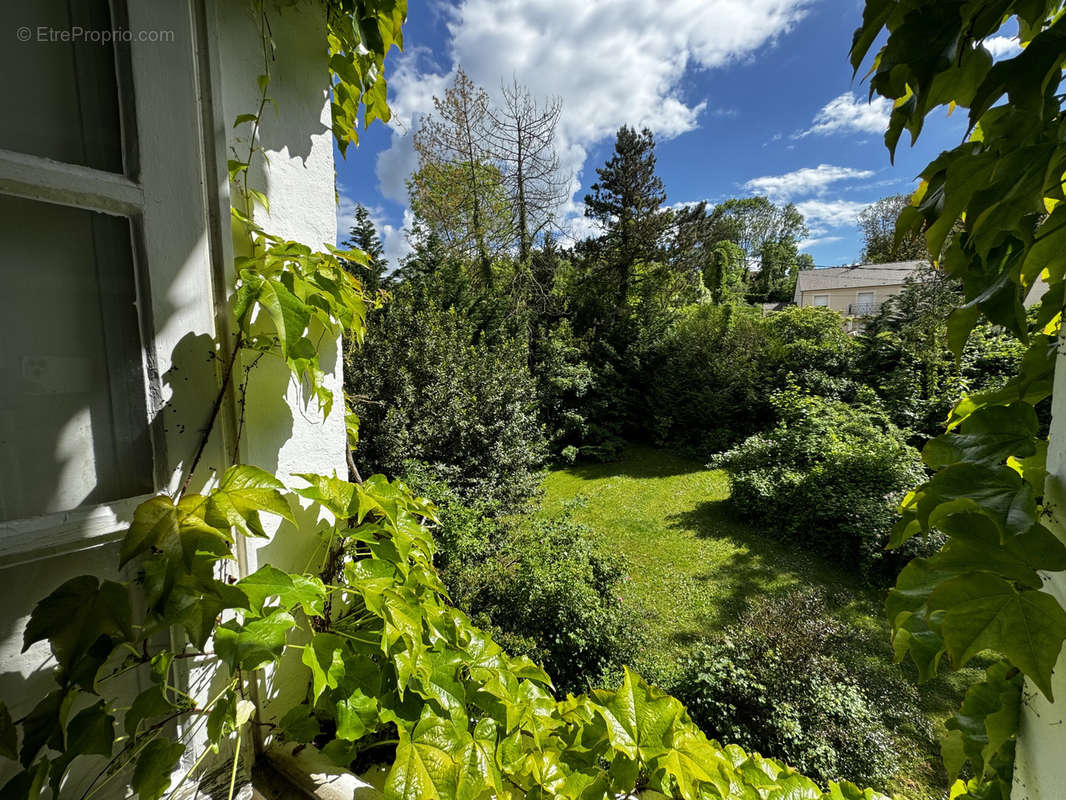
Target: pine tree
{"type": "Point", "coordinates": [627, 201]}
{"type": "Point", "coordinates": [364, 236]}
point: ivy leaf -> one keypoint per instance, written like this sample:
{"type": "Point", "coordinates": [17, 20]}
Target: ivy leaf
{"type": "Point", "coordinates": [291, 590]}
{"type": "Point", "coordinates": [27, 785]}
{"type": "Point", "coordinates": [300, 725]}
{"type": "Point", "coordinates": [255, 643]}
{"type": "Point", "coordinates": [149, 703]}
{"type": "Point", "coordinates": [78, 613]}
{"type": "Point", "coordinates": [324, 656]}
{"type": "Point", "coordinates": [983, 612]}
{"type": "Point", "coordinates": [91, 732]}
{"type": "Point", "coordinates": [638, 718]}
{"type": "Point", "coordinates": [425, 766]}
{"type": "Point", "coordinates": [9, 738]}
{"type": "Point", "coordinates": [243, 492]}
{"type": "Point", "coordinates": [988, 436]}
{"type": "Point", "coordinates": [356, 715]}
{"type": "Point", "coordinates": [151, 776]}
{"type": "Point", "coordinates": [46, 724]}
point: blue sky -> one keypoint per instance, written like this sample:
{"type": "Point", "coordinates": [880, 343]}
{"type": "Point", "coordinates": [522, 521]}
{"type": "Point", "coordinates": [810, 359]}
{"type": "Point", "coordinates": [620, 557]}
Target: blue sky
{"type": "Point", "coordinates": [744, 96]}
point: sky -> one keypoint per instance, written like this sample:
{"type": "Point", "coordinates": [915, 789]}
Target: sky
{"type": "Point", "coordinates": [744, 97]}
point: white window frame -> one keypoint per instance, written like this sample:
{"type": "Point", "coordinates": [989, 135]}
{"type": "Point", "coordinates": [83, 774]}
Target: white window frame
{"type": "Point", "coordinates": [179, 250]}
{"type": "Point", "coordinates": [816, 304]}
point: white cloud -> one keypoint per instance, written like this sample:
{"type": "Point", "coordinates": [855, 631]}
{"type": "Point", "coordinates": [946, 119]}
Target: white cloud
{"type": "Point", "coordinates": [807, 244]}
{"type": "Point", "coordinates": [345, 213]}
{"type": "Point", "coordinates": [1002, 46]}
{"type": "Point", "coordinates": [803, 182]}
{"type": "Point", "coordinates": [850, 113]}
{"type": "Point", "coordinates": [394, 240]}
{"type": "Point", "coordinates": [831, 213]}
{"type": "Point", "coordinates": [613, 62]}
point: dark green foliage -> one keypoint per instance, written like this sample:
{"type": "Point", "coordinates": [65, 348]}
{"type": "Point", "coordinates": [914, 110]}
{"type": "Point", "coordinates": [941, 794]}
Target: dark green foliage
{"type": "Point", "coordinates": [626, 200]}
{"type": "Point", "coordinates": [906, 358]}
{"type": "Point", "coordinates": [427, 388]}
{"type": "Point", "coordinates": [711, 374]}
{"type": "Point", "coordinates": [776, 682]}
{"type": "Point", "coordinates": [546, 588]}
{"type": "Point", "coordinates": [364, 236]}
{"type": "Point", "coordinates": [708, 389]}
{"type": "Point", "coordinates": [828, 476]}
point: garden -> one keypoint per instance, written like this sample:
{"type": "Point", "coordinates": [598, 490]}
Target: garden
{"type": "Point", "coordinates": [610, 526]}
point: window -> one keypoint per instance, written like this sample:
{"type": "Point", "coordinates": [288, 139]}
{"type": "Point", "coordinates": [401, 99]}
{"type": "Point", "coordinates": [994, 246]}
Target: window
{"type": "Point", "coordinates": [111, 252]}
{"type": "Point", "coordinates": [821, 300]}
{"type": "Point", "coordinates": [73, 419]}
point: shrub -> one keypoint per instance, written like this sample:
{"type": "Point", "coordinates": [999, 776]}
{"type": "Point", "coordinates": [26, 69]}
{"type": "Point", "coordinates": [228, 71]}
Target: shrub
{"type": "Point", "coordinates": [706, 380]}
{"type": "Point", "coordinates": [828, 477]}
{"type": "Point", "coordinates": [427, 387]}
{"type": "Point", "coordinates": [546, 588]}
{"type": "Point", "coordinates": [774, 683]}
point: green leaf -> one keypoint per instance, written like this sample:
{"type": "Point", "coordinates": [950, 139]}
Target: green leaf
{"type": "Point", "coordinates": [9, 739]}
{"type": "Point", "coordinates": [78, 613]}
{"type": "Point", "coordinates": [151, 776]}
{"type": "Point", "coordinates": [45, 724]}
{"type": "Point", "coordinates": [243, 492]}
{"type": "Point", "coordinates": [638, 718]}
{"type": "Point", "coordinates": [291, 590]}
{"type": "Point", "coordinates": [988, 436]}
{"type": "Point", "coordinates": [983, 612]}
{"type": "Point", "coordinates": [27, 785]}
{"type": "Point", "coordinates": [149, 703]}
{"type": "Point", "coordinates": [356, 715]}
{"type": "Point", "coordinates": [91, 732]}
{"type": "Point", "coordinates": [425, 767]}
{"type": "Point", "coordinates": [254, 644]}
{"type": "Point", "coordinates": [324, 656]}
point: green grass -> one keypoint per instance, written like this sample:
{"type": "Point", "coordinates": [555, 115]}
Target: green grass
{"type": "Point", "coordinates": [694, 567]}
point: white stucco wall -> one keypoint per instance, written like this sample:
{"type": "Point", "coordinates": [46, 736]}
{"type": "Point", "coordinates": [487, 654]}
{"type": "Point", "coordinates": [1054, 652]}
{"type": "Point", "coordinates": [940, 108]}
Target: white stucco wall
{"type": "Point", "coordinates": [215, 77]}
{"type": "Point", "coordinates": [1040, 768]}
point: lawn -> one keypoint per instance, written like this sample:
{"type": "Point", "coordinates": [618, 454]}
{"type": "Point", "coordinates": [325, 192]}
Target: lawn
{"type": "Point", "coordinates": [694, 567]}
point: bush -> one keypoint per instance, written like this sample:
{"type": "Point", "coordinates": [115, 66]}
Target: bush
{"type": "Point", "coordinates": [546, 588]}
{"type": "Point", "coordinates": [828, 477]}
{"type": "Point", "coordinates": [707, 380]}
{"type": "Point", "coordinates": [427, 387]}
{"type": "Point", "coordinates": [774, 683]}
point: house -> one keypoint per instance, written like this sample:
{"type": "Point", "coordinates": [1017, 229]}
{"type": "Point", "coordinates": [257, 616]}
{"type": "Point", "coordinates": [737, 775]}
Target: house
{"type": "Point", "coordinates": [117, 266]}
{"type": "Point", "coordinates": [856, 292]}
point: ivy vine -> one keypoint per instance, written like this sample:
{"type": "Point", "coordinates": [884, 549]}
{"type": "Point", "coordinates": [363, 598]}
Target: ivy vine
{"type": "Point", "coordinates": [982, 591]}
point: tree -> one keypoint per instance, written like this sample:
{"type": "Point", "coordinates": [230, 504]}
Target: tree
{"type": "Point", "coordinates": [752, 222]}
{"type": "Point", "coordinates": [627, 201]}
{"type": "Point", "coordinates": [522, 142]}
{"type": "Point", "coordinates": [363, 235]}
{"type": "Point", "coordinates": [455, 172]}
{"type": "Point", "coordinates": [881, 244]}
{"type": "Point", "coordinates": [779, 264]}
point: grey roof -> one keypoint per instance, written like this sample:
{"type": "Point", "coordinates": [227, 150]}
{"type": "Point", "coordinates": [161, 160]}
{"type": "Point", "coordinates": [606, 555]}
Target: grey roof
{"type": "Point", "coordinates": [856, 277]}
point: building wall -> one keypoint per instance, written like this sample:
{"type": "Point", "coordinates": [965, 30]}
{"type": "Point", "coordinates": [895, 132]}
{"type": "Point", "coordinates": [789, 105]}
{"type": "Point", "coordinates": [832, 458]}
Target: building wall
{"type": "Point", "coordinates": [210, 70]}
{"type": "Point", "coordinates": [1040, 767]}
{"type": "Point", "coordinates": [842, 300]}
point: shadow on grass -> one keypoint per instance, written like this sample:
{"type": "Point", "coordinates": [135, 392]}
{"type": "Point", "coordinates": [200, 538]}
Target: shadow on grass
{"type": "Point", "coordinates": [639, 463]}
{"type": "Point", "coordinates": [762, 567]}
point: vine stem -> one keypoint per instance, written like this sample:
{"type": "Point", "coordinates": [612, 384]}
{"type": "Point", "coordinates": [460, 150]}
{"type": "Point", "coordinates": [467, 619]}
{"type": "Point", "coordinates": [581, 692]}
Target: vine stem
{"type": "Point", "coordinates": [236, 760]}
{"type": "Point", "coordinates": [216, 407]}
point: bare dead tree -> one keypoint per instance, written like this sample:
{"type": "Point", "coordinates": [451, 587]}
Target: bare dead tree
{"type": "Point", "coordinates": [455, 175]}
{"type": "Point", "coordinates": [522, 142]}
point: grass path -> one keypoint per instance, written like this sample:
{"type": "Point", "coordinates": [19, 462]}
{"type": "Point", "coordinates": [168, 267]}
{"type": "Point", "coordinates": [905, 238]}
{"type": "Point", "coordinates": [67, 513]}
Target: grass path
{"type": "Point", "coordinates": [693, 567]}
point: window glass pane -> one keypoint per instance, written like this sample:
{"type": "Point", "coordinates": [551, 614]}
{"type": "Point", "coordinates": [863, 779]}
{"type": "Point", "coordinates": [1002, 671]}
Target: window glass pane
{"type": "Point", "coordinates": [73, 420]}
{"type": "Point", "coordinates": [821, 299]}
{"type": "Point", "coordinates": [60, 97]}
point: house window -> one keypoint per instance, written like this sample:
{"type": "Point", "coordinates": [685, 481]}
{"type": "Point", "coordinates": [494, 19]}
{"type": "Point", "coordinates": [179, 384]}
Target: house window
{"type": "Point", "coordinates": [74, 422]}
{"type": "Point", "coordinates": [821, 300]}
